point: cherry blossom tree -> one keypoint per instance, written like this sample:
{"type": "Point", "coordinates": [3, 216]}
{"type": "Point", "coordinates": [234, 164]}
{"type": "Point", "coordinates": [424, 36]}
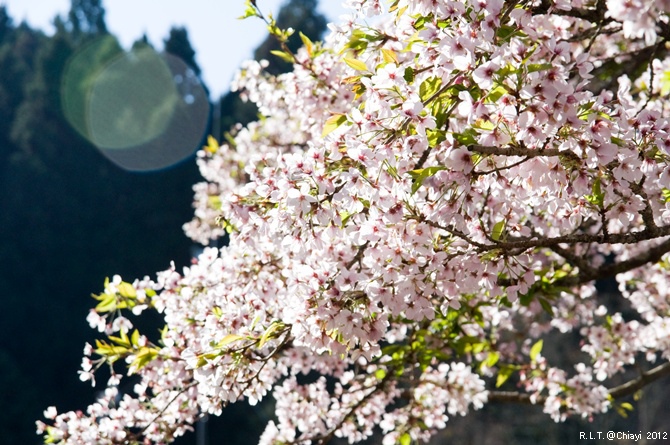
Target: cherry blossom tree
{"type": "Point", "coordinates": [428, 198]}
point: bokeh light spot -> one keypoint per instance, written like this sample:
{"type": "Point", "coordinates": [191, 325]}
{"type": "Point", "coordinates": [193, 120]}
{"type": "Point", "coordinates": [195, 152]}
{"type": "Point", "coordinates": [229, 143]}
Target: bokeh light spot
{"type": "Point", "coordinates": [144, 110]}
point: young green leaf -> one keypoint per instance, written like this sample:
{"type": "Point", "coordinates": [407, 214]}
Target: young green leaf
{"type": "Point", "coordinates": [536, 349]}
{"type": "Point", "coordinates": [389, 56]}
{"type": "Point", "coordinates": [309, 45]}
{"type": "Point", "coordinates": [135, 338]}
{"type": "Point", "coordinates": [286, 57]}
{"type": "Point", "coordinates": [332, 123]}
{"type": "Point", "coordinates": [422, 174]}
{"type": "Point", "coordinates": [212, 145]}
{"type": "Point", "coordinates": [498, 230]}
{"type": "Point", "coordinates": [249, 11]}
{"type": "Point", "coordinates": [228, 339]}
{"type": "Point", "coordinates": [127, 290]}
{"type": "Point", "coordinates": [504, 374]}
{"type": "Point", "coordinates": [275, 326]}
{"type": "Point", "coordinates": [355, 64]}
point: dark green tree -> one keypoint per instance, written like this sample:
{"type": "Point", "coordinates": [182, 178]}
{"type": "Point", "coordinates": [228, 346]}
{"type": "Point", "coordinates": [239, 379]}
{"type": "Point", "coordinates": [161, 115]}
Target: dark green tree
{"type": "Point", "coordinates": [179, 45]}
{"type": "Point", "coordinates": [62, 204]}
{"type": "Point", "coordinates": [6, 24]}
{"type": "Point", "coordinates": [86, 18]}
{"type": "Point", "coordinates": [142, 42]}
{"type": "Point", "coordinates": [17, 49]}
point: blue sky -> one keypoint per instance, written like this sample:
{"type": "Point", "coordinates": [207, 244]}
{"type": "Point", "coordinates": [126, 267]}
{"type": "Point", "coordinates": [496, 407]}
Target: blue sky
{"type": "Point", "coordinates": [221, 41]}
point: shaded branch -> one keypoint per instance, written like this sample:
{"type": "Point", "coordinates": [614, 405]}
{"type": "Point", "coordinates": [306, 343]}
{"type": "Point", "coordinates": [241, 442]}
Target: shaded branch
{"type": "Point", "coordinates": [516, 150]}
{"type": "Point", "coordinates": [616, 238]}
{"type": "Point", "coordinates": [618, 392]}
{"type": "Point", "coordinates": [643, 380]}
{"type": "Point", "coordinates": [593, 15]}
{"type": "Point", "coordinates": [651, 255]}
{"type": "Point", "coordinates": [359, 255]}
{"type": "Point", "coordinates": [514, 397]}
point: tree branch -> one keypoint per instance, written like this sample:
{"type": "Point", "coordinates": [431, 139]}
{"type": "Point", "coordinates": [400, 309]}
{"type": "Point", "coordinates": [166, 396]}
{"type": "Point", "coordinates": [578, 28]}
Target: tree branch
{"type": "Point", "coordinates": [515, 150]}
{"type": "Point", "coordinates": [618, 392]}
{"type": "Point", "coordinates": [616, 238]}
{"type": "Point", "coordinates": [593, 15]}
{"type": "Point", "coordinates": [643, 380]}
{"type": "Point", "coordinates": [651, 255]}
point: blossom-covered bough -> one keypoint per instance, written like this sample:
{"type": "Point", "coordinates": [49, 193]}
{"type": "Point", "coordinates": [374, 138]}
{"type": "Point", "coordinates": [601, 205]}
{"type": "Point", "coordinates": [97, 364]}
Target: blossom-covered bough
{"type": "Point", "coordinates": [427, 200]}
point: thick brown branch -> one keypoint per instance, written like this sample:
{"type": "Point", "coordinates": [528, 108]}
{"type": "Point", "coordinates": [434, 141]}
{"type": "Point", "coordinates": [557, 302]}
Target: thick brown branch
{"type": "Point", "coordinates": [616, 238]}
{"type": "Point", "coordinates": [515, 150]}
{"type": "Point", "coordinates": [359, 255]}
{"type": "Point", "coordinates": [593, 15]}
{"type": "Point", "coordinates": [649, 256]}
{"type": "Point", "coordinates": [647, 213]}
{"type": "Point", "coordinates": [514, 397]}
{"type": "Point", "coordinates": [643, 380]}
{"type": "Point", "coordinates": [580, 262]}
{"type": "Point", "coordinates": [618, 392]}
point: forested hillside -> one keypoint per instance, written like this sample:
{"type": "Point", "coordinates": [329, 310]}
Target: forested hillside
{"type": "Point", "coordinates": [68, 216]}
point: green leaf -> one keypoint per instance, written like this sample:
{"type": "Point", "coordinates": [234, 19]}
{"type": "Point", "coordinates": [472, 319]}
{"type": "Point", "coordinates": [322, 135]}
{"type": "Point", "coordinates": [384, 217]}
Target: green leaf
{"type": "Point", "coordinates": [429, 87]}
{"type": "Point", "coordinates": [309, 45]}
{"type": "Point", "coordinates": [405, 439]}
{"type": "Point", "coordinates": [435, 137]}
{"type": "Point", "coordinates": [228, 339]}
{"type": "Point", "coordinates": [420, 23]}
{"type": "Point", "coordinates": [546, 306]}
{"type": "Point", "coordinates": [626, 406]}
{"type": "Point", "coordinates": [498, 230]}
{"type": "Point", "coordinates": [123, 340]}
{"type": "Point", "coordinates": [482, 124]}
{"type": "Point", "coordinates": [467, 137]}
{"type": "Point", "coordinates": [249, 11]}
{"type": "Point", "coordinates": [127, 290]}
{"type": "Point", "coordinates": [355, 64]}
{"type": "Point", "coordinates": [665, 194]}
{"type": "Point", "coordinates": [422, 174]}
{"type": "Point", "coordinates": [505, 31]}
{"type": "Point", "coordinates": [212, 145]}
{"type": "Point", "coordinates": [665, 83]}
{"type": "Point", "coordinates": [359, 40]}
{"type": "Point", "coordinates": [332, 123]}
{"type": "Point", "coordinates": [389, 56]}
{"type": "Point", "coordinates": [495, 94]}
{"type": "Point", "coordinates": [135, 338]}
{"type": "Point", "coordinates": [492, 359]}
{"type": "Point", "coordinates": [617, 141]}
{"type": "Point", "coordinates": [107, 303]}
{"type": "Point", "coordinates": [110, 352]}
{"type": "Point", "coordinates": [144, 356]}
{"type": "Point", "coordinates": [345, 216]}
{"type": "Point", "coordinates": [274, 327]}
{"type": "Point", "coordinates": [214, 202]}
{"type": "Point", "coordinates": [597, 197]}
{"type": "Point", "coordinates": [533, 67]}
{"type": "Point", "coordinates": [526, 298]}
{"type": "Point", "coordinates": [409, 74]}
{"type": "Point", "coordinates": [536, 349]}
{"type": "Point", "coordinates": [503, 375]}
{"type": "Point", "coordinates": [286, 57]}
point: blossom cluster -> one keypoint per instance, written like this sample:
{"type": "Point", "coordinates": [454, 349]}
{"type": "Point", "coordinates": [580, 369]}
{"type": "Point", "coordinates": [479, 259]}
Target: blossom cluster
{"type": "Point", "coordinates": [428, 196]}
